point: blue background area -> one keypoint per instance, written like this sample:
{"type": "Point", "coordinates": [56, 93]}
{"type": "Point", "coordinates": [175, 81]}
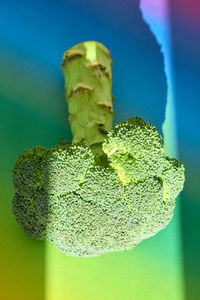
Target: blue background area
{"type": "Point", "coordinates": [37, 33]}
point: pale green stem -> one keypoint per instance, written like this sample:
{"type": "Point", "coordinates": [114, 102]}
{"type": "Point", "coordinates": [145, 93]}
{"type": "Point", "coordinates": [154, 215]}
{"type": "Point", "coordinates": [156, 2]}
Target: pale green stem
{"type": "Point", "coordinates": [88, 90]}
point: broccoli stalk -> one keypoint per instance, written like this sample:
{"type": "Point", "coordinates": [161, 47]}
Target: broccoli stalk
{"type": "Point", "coordinates": [110, 188]}
{"type": "Point", "coordinates": [88, 90]}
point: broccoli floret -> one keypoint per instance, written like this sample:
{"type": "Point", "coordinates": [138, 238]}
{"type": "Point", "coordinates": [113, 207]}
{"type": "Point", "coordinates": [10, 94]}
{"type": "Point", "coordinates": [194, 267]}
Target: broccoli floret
{"type": "Point", "coordinates": [29, 203]}
{"type": "Point", "coordinates": [110, 188]}
{"type": "Point", "coordinates": [134, 149]}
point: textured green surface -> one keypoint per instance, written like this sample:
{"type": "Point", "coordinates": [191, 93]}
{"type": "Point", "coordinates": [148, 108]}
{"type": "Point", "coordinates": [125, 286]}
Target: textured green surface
{"type": "Point", "coordinates": [87, 208]}
{"type": "Point", "coordinates": [88, 91]}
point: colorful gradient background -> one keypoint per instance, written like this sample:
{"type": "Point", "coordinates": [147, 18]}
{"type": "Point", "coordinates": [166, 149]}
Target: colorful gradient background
{"type": "Point", "coordinates": [155, 46]}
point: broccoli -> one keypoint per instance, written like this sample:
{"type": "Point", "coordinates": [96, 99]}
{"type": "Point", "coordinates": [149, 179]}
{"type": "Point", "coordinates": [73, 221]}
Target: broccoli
{"type": "Point", "coordinates": [108, 189]}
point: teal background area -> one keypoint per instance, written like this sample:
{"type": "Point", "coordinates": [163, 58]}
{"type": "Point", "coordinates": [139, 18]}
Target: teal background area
{"type": "Point", "coordinates": [33, 37]}
{"type": "Point", "coordinates": [185, 30]}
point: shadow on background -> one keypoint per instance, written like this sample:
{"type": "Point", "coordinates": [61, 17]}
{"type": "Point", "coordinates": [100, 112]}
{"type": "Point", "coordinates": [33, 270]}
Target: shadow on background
{"type": "Point", "coordinates": [185, 31]}
{"type": "Point", "coordinates": [32, 109]}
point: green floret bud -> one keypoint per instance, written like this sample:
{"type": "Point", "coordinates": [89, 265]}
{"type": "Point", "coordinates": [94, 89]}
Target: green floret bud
{"type": "Point", "coordinates": [134, 149]}
{"type": "Point", "coordinates": [173, 178]}
{"type": "Point", "coordinates": [100, 218]}
{"type": "Point", "coordinates": [65, 167]}
{"type": "Point", "coordinates": [26, 171]}
{"type": "Point", "coordinates": [88, 212]}
{"type": "Point", "coordinates": [32, 214]}
{"type": "Point", "coordinates": [40, 173]}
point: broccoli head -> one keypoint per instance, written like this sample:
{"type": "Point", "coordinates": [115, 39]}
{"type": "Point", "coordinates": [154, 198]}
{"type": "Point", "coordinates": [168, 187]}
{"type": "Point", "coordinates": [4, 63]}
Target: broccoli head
{"type": "Point", "coordinates": [107, 190]}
